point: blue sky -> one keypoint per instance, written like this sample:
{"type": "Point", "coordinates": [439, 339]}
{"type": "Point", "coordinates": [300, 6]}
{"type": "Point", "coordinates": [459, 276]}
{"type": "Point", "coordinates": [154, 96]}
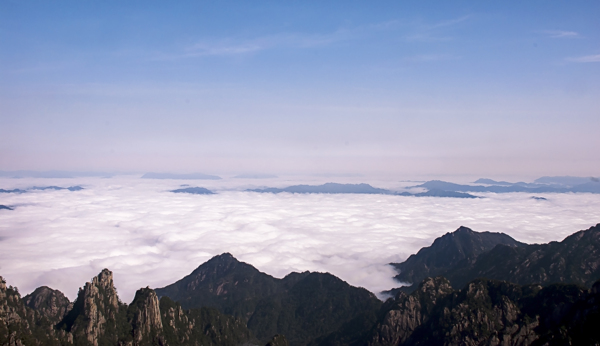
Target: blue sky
{"type": "Point", "coordinates": [224, 87]}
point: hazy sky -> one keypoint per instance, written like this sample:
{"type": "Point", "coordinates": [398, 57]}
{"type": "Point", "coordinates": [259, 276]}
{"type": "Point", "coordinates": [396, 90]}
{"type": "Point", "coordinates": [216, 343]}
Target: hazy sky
{"type": "Point", "coordinates": [402, 87]}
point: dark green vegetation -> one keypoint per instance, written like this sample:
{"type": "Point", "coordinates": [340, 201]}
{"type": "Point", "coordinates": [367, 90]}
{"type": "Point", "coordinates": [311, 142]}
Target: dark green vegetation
{"type": "Point", "coordinates": [302, 306]}
{"type": "Point", "coordinates": [194, 190]}
{"type": "Point", "coordinates": [98, 317]}
{"type": "Point", "coordinates": [227, 302]}
{"type": "Point", "coordinates": [452, 250]}
{"type": "Point", "coordinates": [488, 312]}
{"type": "Point", "coordinates": [465, 255]}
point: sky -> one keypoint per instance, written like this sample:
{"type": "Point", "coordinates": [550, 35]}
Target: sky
{"type": "Point", "coordinates": [406, 88]}
{"type": "Point", "coordinates": [148, 236]}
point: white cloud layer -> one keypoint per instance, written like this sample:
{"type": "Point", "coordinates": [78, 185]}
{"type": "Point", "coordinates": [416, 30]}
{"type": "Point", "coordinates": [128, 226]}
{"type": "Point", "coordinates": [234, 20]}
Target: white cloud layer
{"type": "Point", "coordinates": [149, 236]}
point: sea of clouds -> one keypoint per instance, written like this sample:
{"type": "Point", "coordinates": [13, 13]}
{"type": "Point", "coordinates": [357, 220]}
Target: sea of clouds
{"type": "Point", "coordinates": [149, 236]}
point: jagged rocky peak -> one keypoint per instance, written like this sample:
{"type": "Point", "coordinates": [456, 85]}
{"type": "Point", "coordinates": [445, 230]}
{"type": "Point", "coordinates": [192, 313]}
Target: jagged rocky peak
{"type": "Point", "coordinates": [48, 302]}
{"type": "Point", "coordinates": [470, 243]}
{"type": "Point", "coordinates": [97, 311]}
{"type": "Point", "coordinates": [222, 261]}
{"type": "Point", "coordinates": [104, 282]}
{"type": "Point", "coordinates": [448, 251]}
{"type": "Point", "coordinates": [406, 313]}
{"type": "Point", "coordinates": [144, 314]}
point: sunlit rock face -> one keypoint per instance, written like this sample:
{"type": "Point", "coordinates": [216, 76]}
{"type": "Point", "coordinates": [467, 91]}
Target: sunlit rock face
{"type": "Point", "coordinates": [145, 317]}
{"type": "Point", "coordinates": [97, 312]}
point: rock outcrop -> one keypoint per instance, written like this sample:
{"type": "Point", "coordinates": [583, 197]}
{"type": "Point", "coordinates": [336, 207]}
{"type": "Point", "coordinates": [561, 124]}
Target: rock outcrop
{"type": "Point", "coordinates": [97, 315]}
{"type": "Point", "coordinates": [488, 312]}
{"type": "Point", "coordinates": [21, 325]}
{"type": "Point", "coordinates": [320, 309]}
{"type": "Point", "coordinates": [143, 314]}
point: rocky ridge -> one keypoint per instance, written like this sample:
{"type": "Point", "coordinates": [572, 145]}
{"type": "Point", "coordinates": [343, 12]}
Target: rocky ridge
{"type": "Point", "coordinates": [320, 309]}
{"type": "Point", "coordinates": [488, 312]}
{"type": "Point", "coordinates": [465, 255]}
{"type": "Point", "coordinates": [302, 306]}
{"type": "Point", "coordinates": [452, 250]}
{"type": "Point", "coordinates": [98, 317]}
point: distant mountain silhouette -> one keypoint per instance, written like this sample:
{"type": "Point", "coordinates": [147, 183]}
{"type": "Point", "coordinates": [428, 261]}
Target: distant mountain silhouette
{"type": "Point", "coordinates": [335, 188]}
{"type": "Point", "coordinates": [567, 181]}
{"type": "Point", "coordinates": [5, 207]}
{"type": "Point", "coordinates": [194, 190]}
{"type": "Point", "coordinates": [42, 188]}
{"type": "Point", "coordinates": [12, 191]}
{"type": "Point", "coordinates": [591, 186]}
{"type": "Point", "coordinates": [329, 188]}
{"type": "Point", "coordinates": [443, 193]}
{"type": "Point", "coordinates": [70, 188]}
{"type": "Point", "coordinates": [491, 182]}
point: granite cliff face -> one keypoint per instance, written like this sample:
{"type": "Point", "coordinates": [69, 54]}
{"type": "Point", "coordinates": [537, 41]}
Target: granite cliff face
{"type": "Point", "coordinates": [487, 312]}
{"type": "Point", "coordinates": [97, 317]}
{"type": "Point", "coordinates": [404, 314]}
{"type": "Point", "coordinates": [14, 319]}
{"type": "Point", "coordinates": [143, 314]}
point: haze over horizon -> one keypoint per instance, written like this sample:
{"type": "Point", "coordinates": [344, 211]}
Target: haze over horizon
{"type": "Point", "coordinates": [387, 88]}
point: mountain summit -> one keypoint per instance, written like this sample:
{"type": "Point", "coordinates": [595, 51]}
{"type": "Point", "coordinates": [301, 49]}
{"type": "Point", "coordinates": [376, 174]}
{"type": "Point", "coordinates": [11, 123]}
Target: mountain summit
{"type": "Point", "coordinates": [450, 250]}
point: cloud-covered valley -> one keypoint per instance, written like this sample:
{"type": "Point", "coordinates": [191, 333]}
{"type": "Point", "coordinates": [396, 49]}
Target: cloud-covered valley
{"type": "Point", "coordinates": [149, 236]}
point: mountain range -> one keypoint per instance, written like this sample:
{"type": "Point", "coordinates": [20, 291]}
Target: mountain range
{"type": "Point", "coordinates": [335, 188]}
{"type": "Point", "coordinates": [468, 288]}
{"type": "Point", "coordinates": [589, 185]}
{"type": "Point", "coordinates": [42, 188]}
